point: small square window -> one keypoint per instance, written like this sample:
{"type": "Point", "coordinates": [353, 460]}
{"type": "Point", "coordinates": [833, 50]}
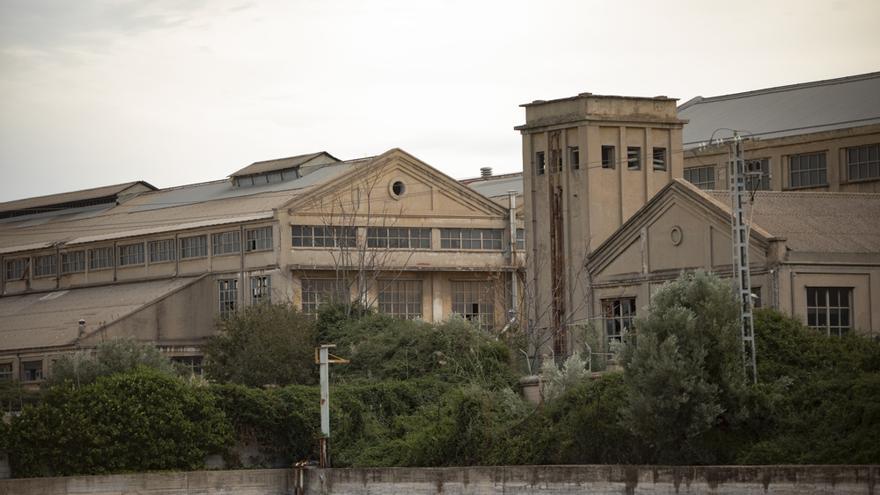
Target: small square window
{"type": "Point", "coordinates": [659, 158]}
{"type": "Point", "coordinates": [574, 157]}
{"type": "Point", "coordinates": [634, 158]}
{"type": "Point", "coordinates": [608, 157]}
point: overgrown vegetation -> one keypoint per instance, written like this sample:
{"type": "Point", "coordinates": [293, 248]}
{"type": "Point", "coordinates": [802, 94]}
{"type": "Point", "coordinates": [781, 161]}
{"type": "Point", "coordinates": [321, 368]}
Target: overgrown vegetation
{"type": "Point", "coordinates": [110, 357]}
{"type": "Point", "coordinates": [417, 394]}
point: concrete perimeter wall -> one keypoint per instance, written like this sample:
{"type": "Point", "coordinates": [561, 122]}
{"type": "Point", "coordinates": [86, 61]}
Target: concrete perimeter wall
{"type": "Point", "coordinates": [509, 480]}
{"type": "Point", "coordinates": [565, 480]}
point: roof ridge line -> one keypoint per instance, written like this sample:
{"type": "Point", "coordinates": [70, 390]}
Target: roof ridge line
{"type": "Point", "coordinates": [777, 89]}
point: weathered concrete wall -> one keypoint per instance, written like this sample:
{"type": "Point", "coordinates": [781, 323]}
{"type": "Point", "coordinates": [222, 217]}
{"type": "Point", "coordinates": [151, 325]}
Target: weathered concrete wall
{"type": "Point", "coordinates": [564, 480]}
{"type": "Point", "coordinates": [243, 482]}
{"type": "Point", "coordinates": [509, 480]}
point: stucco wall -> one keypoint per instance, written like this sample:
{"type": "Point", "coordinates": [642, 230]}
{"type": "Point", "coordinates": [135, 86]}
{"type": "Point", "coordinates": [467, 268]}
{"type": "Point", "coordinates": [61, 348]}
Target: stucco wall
{"type": "Point", "coordinates": [512, 480]}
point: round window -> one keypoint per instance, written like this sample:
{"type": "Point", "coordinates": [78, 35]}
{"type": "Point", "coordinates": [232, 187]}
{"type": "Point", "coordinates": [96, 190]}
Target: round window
{"type": "Point", "coordinates": [398, 188]}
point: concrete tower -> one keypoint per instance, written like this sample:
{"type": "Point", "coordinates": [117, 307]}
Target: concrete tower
{"type": "Point", "coordinates": [589, 163]}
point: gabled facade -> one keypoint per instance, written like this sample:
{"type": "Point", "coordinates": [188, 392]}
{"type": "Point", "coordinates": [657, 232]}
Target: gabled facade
{"type": "Point", "coordinates": [163, 265]}
{"type": "Point", "coordinates": [832, 287]}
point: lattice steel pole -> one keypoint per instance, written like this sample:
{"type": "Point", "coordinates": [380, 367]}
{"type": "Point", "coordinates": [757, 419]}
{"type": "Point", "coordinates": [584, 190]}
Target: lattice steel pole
{"type": "Point", "coordinates": [741, 258]}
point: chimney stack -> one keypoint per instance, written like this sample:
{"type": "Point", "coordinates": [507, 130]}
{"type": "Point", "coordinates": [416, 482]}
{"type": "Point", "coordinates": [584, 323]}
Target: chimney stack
{"type": "Point", "coordinates": [485, 172]}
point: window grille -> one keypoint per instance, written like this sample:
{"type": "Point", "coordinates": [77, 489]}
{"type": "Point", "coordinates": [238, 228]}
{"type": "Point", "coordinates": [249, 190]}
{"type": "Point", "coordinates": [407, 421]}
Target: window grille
{"type": "Point", "coordinates": [619, 314]}
{"type": "Point", "coordinates": [161, 251]}
{"type": "Point", "coordinates": [261, 289]}
{"type": "Point", "coordinates": [322, 236]}
{"type": "Point", "coordinates": [131, 254]}
{"type": "Point", "coordinates": [863, 162]}
{"type": "Point", "coordinates": [401, 298]}
{"type": "Point", "coordinates": [481, 239]}
{"type": "Point", "coordinates": [100, 258]}
{"type": "Point", "coordinates": [807, 170]}
{"type": "Point", "coordinates": [15, 268]}
{"type": "Point", "coordinates": [228, 296]}
{"type": "Point", "coordinates": [226, 242]}
{"type": "Point", "coordinates": [316, 292]}
{"type": "Point", "coordinates": [193, 247]}
{"type": "Point", "coordinates": [45, 266]}
{"type": "Point", "coordinates": [73, 262]}
{"type": "Point", "coordinates": [475, 302]}
{"type": "Point", "coordinates": [398, 238]}
{"type": "Point", "coordinates": [258, 239]}
{"type": "Point", "coordinates": [829, 309]}
{"type": "Point", "coordinates": [702, 177]}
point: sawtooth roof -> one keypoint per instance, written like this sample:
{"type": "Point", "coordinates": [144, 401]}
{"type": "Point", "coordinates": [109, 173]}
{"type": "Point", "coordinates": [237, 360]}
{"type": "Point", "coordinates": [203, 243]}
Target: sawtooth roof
{"type": "Point", "coordinates": [785, 110]}
{"type": "Point", "coordinates": [50, 319]}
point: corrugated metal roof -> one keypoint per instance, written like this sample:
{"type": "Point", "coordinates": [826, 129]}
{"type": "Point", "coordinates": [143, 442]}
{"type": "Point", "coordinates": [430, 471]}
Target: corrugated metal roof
{"type": "Point", "coordinates": [203, 204]}
{"type": "Point", "coordinates": [498, 185]}
{"type": "Point", "coordinates": [785, 111]}
{"type": "Point", "coordinates": [171, 228]}
{"type": "Point", "coordinates": [71, 197]}
{"type": "Point", "coordinates": [817, 222]}
{"type": "Point", "coordinates": [321, 157]}
{"type": "Point", "coordinates": [51, 319]}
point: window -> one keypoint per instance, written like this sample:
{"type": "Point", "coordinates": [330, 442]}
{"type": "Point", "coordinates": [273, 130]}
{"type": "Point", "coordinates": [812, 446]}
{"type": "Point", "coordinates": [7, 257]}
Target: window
{"type": "Point", "coordinates": [316, 292]}
{"type": "Point", "coordinates": [520, 239]}
{"type": "Point", "coordinates": [31, 371]}
{"type": "Point", "coordinates": [702, 177]}
{"type": "Point", "coordinates": [131, 254]}
{"type": "Point", "coordinates": [261, 289]}
{"type": "Point", "coordinates": [659, 158]}
{"type": "Point", "coordinates": [398, 238]}
{"type": "Point", "coordinates": [757, 302]}
{"type": "Point", "coordinates": [482, 239]}
{"type": "Point", "coordinates": [100, 258]}
{"type": "Point", "coordinates": [5, 372]}
{"type": "Point", "coordinates": [619, 314]}
{"type": "Point", "coordinates": [574, 157]}
{"type": "Point", "coordinates": [226, 242]}
{"type": "Point", "coordinates": [807, 170]}
{"type": "Point", "coordinates": [192, 364]}
{"type": "Point", "coordinates": [634, 158]}
{"type": "Point", "coordinates": [161, 251]}
{"type": "Point", "coordinates": [321, 236]}
{"type": "Point", "coordinates": [608, 157]}
{"type": "Point", "coordinates": [540, 164]}
{"type": "Point", "coordinates": [194, 247]}
{"type": "Point", "coordinates": [863, 162]}
{"type": "Point", "coordinates": [758, 174]}
{"type": "Point", "coordinates": [15, 268]}
{"type": "Point", "coordinates": [401, 298]}
{"type": "Point", "coordinates": [474, 301]}
{"type": "Point", "coordinates": [74, 262]}
{"type": "Point", "coordinates": [45, 266]}
{"type": "Point", "coordinates": [258, 239]}
{"type": "Point", "coordinates": [228, 296]}
{"type": "Point", "coordinates": [829, 309]}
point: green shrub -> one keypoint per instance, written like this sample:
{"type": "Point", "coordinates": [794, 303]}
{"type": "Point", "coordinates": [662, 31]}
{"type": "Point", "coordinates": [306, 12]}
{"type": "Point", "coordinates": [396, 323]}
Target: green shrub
{"type": "Point", "coordinates": [141, 420]}
{"type": "Point", "coordinates": [109, 357]}
{"type": "Point", "coordinates": [263, 344]}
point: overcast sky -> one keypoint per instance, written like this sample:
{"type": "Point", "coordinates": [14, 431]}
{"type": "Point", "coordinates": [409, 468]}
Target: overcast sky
{"type": "Point", "coordinates": [97, 92]}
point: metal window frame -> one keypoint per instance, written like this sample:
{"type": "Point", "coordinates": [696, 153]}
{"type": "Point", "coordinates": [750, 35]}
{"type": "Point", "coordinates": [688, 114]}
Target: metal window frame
{"type": "Point", "coordinates": [468, 295]}
{"type": "Point", "coordinates": [401, 298]}
{"type": "Point", "coordinates": [73, 262]}
{"type": "Point", "coordinates": [228, 242]}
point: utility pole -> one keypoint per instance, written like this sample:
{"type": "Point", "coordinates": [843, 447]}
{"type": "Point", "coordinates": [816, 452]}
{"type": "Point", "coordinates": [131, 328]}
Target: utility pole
{"type": "Point", "coordinates": [323, 358]}
{"type": "Point", "coordinates": [741, 258]}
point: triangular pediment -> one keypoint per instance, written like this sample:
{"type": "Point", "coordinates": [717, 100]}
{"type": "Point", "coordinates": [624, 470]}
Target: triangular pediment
{"type": "Point", "coordinates": [680, 228]}
{"type": "Point", "coordinates": [395, 184]}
